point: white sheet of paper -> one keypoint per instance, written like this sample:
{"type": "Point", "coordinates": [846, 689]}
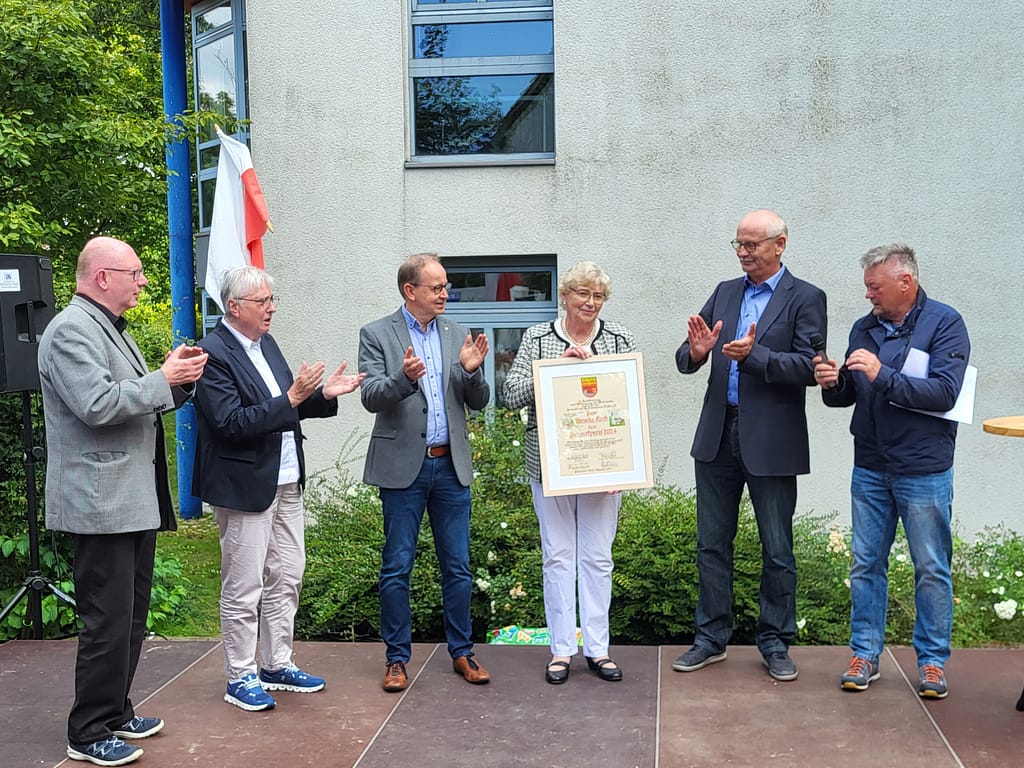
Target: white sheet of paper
{"type": "Point", "coordinates": [916, 366]}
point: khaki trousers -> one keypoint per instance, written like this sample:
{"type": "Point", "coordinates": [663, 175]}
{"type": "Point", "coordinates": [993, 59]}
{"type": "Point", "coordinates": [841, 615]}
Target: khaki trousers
{"type": "Point", "coordinates": [262, 559]}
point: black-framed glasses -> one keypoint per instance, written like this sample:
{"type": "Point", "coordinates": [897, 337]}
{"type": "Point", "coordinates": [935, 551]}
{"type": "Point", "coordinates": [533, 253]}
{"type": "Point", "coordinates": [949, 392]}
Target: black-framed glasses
{"type": "Point", "coordinates": [749, 245]}
{"type": "Point", "coordinates": [262, 302]}
{"type": "Point", "coordinates": [132, 273]}
{"type": "Point", "coordinates": [435, 289]}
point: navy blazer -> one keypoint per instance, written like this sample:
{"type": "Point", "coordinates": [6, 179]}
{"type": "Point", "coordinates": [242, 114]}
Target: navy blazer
{"type": "Point", "coordinates": [238, 450]}
{"type": "Point", "coordinates": [773, 378]}
{"type": "Point", "coordinates": [886, 436]}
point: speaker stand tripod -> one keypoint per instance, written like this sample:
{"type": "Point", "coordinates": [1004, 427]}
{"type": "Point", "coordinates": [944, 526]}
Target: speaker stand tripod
{"type": "Point", "coordinates": [35, 582]}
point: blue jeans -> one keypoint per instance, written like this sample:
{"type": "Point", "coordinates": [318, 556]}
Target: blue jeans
{"type": "Point", "coordinates": [925, 505]}
{"type": "Point", "coordinates": [438, 490]}
{"type": "Point", "coordinates": [719, 491]}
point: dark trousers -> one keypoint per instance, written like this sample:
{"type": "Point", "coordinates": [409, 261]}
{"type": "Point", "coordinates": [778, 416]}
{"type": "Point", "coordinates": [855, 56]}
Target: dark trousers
{"type": "Point", "coordinates": [113, 578]}
{"type": "Point", "coordinates": [719, 491]}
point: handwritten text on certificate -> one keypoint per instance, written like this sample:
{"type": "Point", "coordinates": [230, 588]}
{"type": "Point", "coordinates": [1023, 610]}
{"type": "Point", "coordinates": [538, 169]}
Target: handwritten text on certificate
{"type": "Point", "coordinates": [594, 435]}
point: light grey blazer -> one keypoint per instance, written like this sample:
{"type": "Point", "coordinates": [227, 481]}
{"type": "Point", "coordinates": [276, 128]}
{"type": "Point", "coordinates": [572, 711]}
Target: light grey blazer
{"type": "Point", "coordinates": [102, 408]}
{"type": "Point", "coordinates": [398, 441]}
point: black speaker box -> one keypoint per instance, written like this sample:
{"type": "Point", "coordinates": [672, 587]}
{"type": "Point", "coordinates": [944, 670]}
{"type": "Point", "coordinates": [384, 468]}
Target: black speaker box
{"type": "Point", "coordinates": [26, 306]}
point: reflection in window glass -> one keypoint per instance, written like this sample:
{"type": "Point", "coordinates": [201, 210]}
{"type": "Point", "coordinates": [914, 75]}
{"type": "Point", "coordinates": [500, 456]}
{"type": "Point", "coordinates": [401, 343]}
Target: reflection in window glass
{"type": "Point", "coordinates": [206, 189]}
{"type": "Point", "coordinates": [214, 17]}
{"type": "Point", "coordinates": [208, 156]}
{"type": "Point", "coordinates": [484, 114]}
{"type": "Point", "coordinates": [215, 68]}
{"type": "Point", "coordinates": [499, 286]}
{"type": "Point", "coordinates": [505, 343]}
{"type": "Point", "coordinates": [509, 38]}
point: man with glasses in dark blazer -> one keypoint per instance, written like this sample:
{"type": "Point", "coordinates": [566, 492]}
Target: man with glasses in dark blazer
{"type": "Point", "coordinates": [756, 330]}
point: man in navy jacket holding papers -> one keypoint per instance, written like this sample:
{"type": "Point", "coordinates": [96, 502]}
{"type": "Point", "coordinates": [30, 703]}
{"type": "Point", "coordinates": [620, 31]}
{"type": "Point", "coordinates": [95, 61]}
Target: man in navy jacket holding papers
{"type": "Point", "coordinates": [909, 354]}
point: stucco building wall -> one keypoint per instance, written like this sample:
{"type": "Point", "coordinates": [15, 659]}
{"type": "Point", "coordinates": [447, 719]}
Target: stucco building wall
{"type": "Point", "coordinates": [860, 123]}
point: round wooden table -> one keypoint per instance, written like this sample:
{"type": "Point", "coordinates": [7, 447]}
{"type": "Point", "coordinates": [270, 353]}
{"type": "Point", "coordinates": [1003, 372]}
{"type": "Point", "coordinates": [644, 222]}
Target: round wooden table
{"type": "Point", "coordinates": [1011, 426]}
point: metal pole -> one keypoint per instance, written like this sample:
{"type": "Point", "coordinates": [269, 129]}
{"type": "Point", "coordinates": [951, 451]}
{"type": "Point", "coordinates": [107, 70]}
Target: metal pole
{"type": "Point", "coordinates": [179, 224]}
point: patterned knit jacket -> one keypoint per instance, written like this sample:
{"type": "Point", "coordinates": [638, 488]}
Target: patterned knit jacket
{"type": "Point", "coordinates": [545, 341]}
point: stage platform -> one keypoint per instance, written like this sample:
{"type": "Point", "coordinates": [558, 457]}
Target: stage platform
{"type": "Point", "coordinates": [728, 714]}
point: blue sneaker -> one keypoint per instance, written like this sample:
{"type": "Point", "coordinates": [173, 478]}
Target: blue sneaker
{"type": "Point", "coordinates": [110, 751]}
{"type": "Point", "coordinates": [140, 728]}
{"type": "Point", "coordinates": [248, 694]}
{"type": "Point", "coordinates": [291, 678]}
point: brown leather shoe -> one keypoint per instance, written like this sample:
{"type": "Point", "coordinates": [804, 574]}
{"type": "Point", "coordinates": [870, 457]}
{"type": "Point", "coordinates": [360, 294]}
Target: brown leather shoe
{"type": "Point", "coordinates": [395, 679]}
{"type": "Point", "coordinates": [474, 672]}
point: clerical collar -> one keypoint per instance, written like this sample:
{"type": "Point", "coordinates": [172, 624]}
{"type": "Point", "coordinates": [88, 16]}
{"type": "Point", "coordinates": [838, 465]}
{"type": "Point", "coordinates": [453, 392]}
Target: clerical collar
{"type": "Point", "coordinates": [119, 323]}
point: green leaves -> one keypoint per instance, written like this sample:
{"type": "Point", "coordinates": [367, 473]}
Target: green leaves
{"type": "Point", "coordinates": [82, 128]}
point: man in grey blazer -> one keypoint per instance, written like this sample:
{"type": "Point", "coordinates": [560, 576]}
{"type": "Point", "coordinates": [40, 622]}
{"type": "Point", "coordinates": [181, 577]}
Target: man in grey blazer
{"type": "Point", "coordinates": [422, 372]}
{"type": "Point", "coordinates": [752, 431]}
{"type": "Point", "coordinates": [106, 483]}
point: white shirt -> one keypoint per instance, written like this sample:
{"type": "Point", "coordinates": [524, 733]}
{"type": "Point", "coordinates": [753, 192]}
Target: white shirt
{"type": "Point", "coordinates": [289, 470]}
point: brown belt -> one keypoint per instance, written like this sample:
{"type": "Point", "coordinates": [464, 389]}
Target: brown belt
{"type": "Point", "coordinates": [437, 451]}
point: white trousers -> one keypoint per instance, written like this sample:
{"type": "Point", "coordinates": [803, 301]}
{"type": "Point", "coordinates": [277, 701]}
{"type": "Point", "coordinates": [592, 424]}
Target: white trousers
{"type": "Point", "coordinates": [262, 559]}
{"type": "Point", "coordinates": [576, 534]}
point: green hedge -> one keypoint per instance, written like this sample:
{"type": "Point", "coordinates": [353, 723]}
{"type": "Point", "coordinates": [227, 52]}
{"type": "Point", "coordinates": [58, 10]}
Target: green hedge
{"type": "Point", "coordinates": [655, 579]}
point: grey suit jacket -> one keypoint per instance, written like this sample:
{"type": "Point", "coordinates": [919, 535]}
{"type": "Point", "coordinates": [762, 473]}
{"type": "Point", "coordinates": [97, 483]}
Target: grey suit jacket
{"type": "Point", "coordinates": [398, 441]}
{"type": "Point", "coordinates": [773, 378]}
{"type": "Point", "coordinates": [102, 409]}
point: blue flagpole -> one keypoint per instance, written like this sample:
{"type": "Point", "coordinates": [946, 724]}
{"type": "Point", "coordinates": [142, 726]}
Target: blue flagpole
{"type": "Point", "coordinates": [179, 225]}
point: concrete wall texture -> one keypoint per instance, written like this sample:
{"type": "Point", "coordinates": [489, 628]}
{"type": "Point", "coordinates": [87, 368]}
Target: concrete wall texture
{"type": "Point", "coordinates": [861, 123]}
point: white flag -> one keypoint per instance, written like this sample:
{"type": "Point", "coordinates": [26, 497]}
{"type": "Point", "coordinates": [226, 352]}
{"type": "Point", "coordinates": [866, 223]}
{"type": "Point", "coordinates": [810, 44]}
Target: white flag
{"type": "Point", "coordinates": [240, 216]}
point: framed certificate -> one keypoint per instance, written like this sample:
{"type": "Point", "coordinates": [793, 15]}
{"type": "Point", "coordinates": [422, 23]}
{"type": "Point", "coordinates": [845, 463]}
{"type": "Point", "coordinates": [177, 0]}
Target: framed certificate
{"type": "Point", "coordinates": [592, 424]}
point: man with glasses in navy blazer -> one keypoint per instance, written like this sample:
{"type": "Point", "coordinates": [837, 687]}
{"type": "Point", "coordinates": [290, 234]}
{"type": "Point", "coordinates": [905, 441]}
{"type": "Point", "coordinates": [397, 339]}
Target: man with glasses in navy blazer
{"type": "Point", "coordinates": [250, 467]}
{"type": "Point", "coordinates": [422, 372]}
{"type": "Point", "coordinates": [756, 330]}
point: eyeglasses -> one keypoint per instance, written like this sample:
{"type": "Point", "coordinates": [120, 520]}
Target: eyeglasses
{"type": "Point", "coordinates": [749, 245]}
{"type": "Point", "coordinates": [435, 289]}
{"type": "Point", "coordinates": [584, 295]}
{"type": "Point", "coordinates": [132, 273]}
{"type": "Point", "coordinates": [262, 302]}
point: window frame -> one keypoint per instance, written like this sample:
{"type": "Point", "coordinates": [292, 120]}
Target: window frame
{"type": "Point", "coordinates": [490, 315]}
{"type": "Point", "coordinates": [237, 28]}
{"type": "Point", "coordinates": [426, 14]}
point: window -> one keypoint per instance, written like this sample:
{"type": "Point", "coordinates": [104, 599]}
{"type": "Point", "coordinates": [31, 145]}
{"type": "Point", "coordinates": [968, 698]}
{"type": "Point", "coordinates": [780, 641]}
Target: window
{"type": "Point", "coordinates": [218, 55]}
{"type": "Point", "coordinates": [482, 82]}
{"type": "Point", "coordinates": [502, 297]}
{"type": "Point", "coordinates": [221, 85]}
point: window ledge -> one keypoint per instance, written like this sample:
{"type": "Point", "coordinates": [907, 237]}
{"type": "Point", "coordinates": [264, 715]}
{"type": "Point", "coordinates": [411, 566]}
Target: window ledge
{"type": "Point", "coordinates": [471, 161]}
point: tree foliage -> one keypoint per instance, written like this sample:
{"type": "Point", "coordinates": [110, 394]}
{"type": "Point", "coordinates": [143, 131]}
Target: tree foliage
{"type": "Point", "coordinates": [82, 130]}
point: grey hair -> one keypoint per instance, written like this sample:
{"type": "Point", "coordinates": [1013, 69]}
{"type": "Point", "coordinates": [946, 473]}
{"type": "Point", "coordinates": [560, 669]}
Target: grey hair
{"type": "Point", "coordinates": [409, 271]}
{"type": "Point", "coordinates": [777, 227]}
{"type": "Point", "coordinates": [899, 255]}
{"type": "Point", "coordinates": [238, 282]}
{"type": "Point", "coordinates": [585, 273]}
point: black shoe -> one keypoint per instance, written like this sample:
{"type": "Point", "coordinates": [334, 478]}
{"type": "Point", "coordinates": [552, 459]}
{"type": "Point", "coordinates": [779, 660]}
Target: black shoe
{"type": "Point", "coordinates": [698, 657]}
{"type": "Point", "coordinates": [606, 669]}
{"type": "Point", "coordinates": [780, 666]}
{"type": "Point", "coordinates": [557, 672]}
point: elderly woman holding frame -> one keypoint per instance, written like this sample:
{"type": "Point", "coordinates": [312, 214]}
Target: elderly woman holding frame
{"type": "Point", "coordinates": [576, 531]}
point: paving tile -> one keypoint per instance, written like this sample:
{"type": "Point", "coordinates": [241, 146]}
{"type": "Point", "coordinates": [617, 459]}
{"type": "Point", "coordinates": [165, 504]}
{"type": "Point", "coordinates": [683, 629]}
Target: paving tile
{"type": "Point", "coordinates": [978, 717]}
{"type": "Point", "coordinates": [37, 689]}
{"type": "Point", "coordinates": [328, 728]}
{"type": "Point", "coordinates": [733, 714]}
{"type": "Point", "coordinates": [519, 720]}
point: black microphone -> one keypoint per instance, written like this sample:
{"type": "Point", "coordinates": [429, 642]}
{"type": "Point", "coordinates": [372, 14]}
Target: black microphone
{"type": "Point", "coordinates": [818, 345]}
